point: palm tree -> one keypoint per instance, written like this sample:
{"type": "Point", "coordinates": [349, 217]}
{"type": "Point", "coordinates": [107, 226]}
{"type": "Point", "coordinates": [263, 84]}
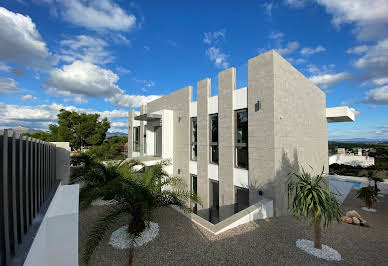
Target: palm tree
{"type": "Point", "coordinates": [138, 195]}
{"type": "Point", "coordinates": [99, 179]}
{"type": "Point", "coordinates": [375, 179]}
{"type": "Point", "coordinates": [369, 194]}
{"type": "Point", "coordinates": [311, 199]}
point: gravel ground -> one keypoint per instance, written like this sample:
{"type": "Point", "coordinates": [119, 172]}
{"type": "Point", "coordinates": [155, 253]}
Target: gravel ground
{"type": "Point", "coordinates": [269, 242]}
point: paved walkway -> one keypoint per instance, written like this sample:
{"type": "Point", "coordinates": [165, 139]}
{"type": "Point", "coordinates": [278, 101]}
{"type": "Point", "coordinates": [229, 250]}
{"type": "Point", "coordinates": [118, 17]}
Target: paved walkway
{"type": "Point", "coordinates": [265, 242]}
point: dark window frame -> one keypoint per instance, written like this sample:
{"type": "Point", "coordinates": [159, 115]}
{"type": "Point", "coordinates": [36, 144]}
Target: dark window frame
{"type": "Point", "coordinates": [239, 145]}
{"type": "Point", "coordinates": [136, 142]}
{"type": "Point", "coordinates": [213, 144]}
{"type": "Point", "coordinates": [192, 138]}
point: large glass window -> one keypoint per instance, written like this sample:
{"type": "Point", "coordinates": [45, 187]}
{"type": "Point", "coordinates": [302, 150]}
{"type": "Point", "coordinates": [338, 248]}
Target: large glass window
{"type": "Point", "coordinates": [194, 138]}
{"type": "Point", "coordinates": [241, 138]}
{"type": "Point", "coordinates": [136, 139]}
{"type": "Point", "coordinates": [194, 190]}
{"type": "Point", "coordinates": [213, 144]}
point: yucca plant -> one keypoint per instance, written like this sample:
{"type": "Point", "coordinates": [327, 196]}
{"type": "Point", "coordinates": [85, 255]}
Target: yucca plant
{"type": "Point", "coordinates": [138, 195]}
{"type": "Point", "coordinates": [311, 199]}
{"type": "Point", "coordinates": [368, 194]}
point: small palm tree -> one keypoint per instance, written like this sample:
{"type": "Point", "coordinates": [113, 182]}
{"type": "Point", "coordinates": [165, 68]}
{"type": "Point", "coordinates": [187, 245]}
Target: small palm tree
{"type": "Point", "coordinates": [368, 194]}
{"type": "Point", "coordinates": [311, 199]}
{"type": "Point", "coordinates": [138, 195]}
{"type": "Point", "coordinates": [375, 179]}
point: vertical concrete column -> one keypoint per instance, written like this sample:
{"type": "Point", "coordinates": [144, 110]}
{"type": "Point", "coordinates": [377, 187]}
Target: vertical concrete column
{"type": "Point", "coordinates": [261, 140]}
{"type": "Point", "coordinates": [142, 130]}
{"type": "Point", "coordinates": [203, 146]}
{"type": "Point", "coordinates": [226, 87]}
{"type": "Point", "coordinates": [131, 117]}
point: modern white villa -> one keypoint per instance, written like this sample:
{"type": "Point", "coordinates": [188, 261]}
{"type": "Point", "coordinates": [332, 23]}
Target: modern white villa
{"type": "Point", "coordinates": [237, 149]}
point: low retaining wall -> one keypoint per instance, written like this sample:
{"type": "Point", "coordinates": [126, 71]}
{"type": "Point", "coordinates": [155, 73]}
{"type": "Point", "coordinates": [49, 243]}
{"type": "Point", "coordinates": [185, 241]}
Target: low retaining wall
{"type": "Point", "coordinates": [56, 242]}
{"type": "Point", "coordinates": [261, 210]}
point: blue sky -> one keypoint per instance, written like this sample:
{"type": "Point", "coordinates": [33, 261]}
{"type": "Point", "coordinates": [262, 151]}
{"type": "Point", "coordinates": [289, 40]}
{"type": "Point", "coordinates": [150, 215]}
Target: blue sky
{"type": "Point", "coordinates": [109, 56]}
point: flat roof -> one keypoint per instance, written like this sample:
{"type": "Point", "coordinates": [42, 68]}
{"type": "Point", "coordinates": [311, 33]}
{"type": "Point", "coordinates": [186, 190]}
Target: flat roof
{"type": "Point", "coordinates": [148, 117]}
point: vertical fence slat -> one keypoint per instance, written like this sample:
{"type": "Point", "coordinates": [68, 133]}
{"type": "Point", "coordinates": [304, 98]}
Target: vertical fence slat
{"type": "Point", "coordinates": [20, 186]}
{"type": "Point", "coordinates": [26, 185]}
{"type": "Point", "coordinates": [12, 196]}
{"type": "Point", "coordinates": [4, 230]}
{"type": "Point", "coordinates": [35, 180]}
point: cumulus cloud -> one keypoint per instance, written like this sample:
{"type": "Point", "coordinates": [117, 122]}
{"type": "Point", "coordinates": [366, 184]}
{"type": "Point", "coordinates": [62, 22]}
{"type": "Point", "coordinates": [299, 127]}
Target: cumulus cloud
{"type": "Point", "coordinates": [28, 97]}
{"type": "Point", "coordinates": [4, 67]}
{"type": "Point", "coordinates": [8, 85]}
{"type": "Point", "coordinates": [290, 48]}
{"type": "Point", "coordinates": [357, 50]}
{"type": "Point", "coordinates": [20, 41]}
{"type": "Point", "coordinates": [296, 61]}
{"type": "Point", "coordinates": [326, 80]}
{"type": "Point", "coordinates": [95, 15]}
{"type": "Point", "coordinates": [214, 37]}
{"type": "Point", "coordinates": [369, 16]}
{"type": "Point", "coordinates": [125, 100]}
{"type": "Point", "coordinates": [40, 116]}
{"type": "Point", "coordinates": [310, 51]}
{"type": "Point", "coordinates": [378, 96]}
{"type": "Point", "coordinates": [87, 49]}
{"type": "Point", "coordinates": [83, 78]}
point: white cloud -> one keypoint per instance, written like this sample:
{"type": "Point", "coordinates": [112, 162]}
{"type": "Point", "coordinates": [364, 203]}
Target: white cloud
{"type": "Point", "coordinates": [325, 80]}
{"type": "Point", "coordinates": [296, 61]}
{"type": "Point", "coordinates": [125, 100]}
{"type": "Point", "coordinates": [28, 97]}
{"type": "Point", "coordinates": [369, 16]}
{"type": "Point", "coordinates": [20, 41]}
{"type": "Point", "coordinates": [219, 58]}
{"type": "Point", "coordinates": [96, 15]}
{"type": "Point", "coordinates": [8, 85]}
{"type": "Point", "coordinates": [295, 3]}
{"type": "Point", "coordinates": [214, 37]}
{"type": "Point", "coordinates": [276, 35]}
{"type": "Point", "coordinates": [375, 59]}
{"type": "Point", "coordinates": [310, 51]}
{"type": "Point", "coordinates": [325, 69]}
{"type": "Point", "coordinates": [122, 70]}
{"type": "Point", "coordinates": [377, 96]}
{"type": "Point", "coordinates": [358, 49]}
{"type": "Point", "coordinates": [40, 116]}
{"type": "Point", "coordinates": [146, 84]}
{"type": "Point", "coordinates": [268, 8]}
{"type": "Point", "coordinates": [291, 47]}
{"type": "Point", "coordinates": [87, 49]}
{"type": "Point", "coordinates": [4, 67]}
{"type": "Point", "coordinates": [83, 79]}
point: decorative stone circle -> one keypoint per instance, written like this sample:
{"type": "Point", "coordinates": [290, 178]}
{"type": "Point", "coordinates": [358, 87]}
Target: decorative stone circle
{"type": "Point", "coordinates": [101, 202]}
{"type": "Point", "coordinates": [326, 253]}
{"type": "Point", "coordinates": [368, 209]}
{"type": "Point", "coordinates": [120, 239]}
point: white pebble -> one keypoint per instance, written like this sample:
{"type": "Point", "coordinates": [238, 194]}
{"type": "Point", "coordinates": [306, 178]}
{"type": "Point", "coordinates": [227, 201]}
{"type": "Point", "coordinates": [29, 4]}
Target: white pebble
{"type": "Point", "coordinates": [368, 209]}
{"type": "Point", "coordinates": [120, 238]}
{"type": "Point", "coordinates": [326, 253]}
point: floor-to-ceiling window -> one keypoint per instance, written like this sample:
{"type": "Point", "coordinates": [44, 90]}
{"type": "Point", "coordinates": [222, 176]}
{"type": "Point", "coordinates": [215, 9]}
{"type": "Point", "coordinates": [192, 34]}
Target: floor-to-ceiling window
{"type": "Point", "coordinates": [241, 143]}
{"type": "Point", "coordinates": [193, 189]}
{"type": "Point", "coordinates": [242, 198]}
{"type": "Point", "coordinates": [136, 139]}
{"type": "Point", "coordinates": [213, 134]}
{"type": "Point", "coordinates": [214, 212]}
{"type": "Point", "coordinates": [193, 139]}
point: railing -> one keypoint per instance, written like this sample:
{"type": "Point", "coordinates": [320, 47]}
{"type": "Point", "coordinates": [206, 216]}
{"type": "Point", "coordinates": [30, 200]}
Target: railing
{"type": "Point", "coordinates": [28, 174]}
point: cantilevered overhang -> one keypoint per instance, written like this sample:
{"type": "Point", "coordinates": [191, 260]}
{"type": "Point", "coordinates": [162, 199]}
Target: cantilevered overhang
{"type": "Point", "coordinates": [339, 114]}
{"type": "Point", "coordinates": [148, 117]}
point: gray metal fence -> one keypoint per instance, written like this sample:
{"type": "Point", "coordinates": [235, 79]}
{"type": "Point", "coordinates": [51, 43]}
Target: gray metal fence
{"type": "Point", "coordinates": [27, 176]}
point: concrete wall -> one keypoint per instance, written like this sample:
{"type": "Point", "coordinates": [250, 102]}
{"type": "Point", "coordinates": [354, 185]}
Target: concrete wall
{"type": "Point", "coordinates": [289, 131]}
{"type": "Point", "coordinates": [226, 88]}
{"type": "Point", "coordinates": [56, 242]}
{"type": "Point", "coordinates": [62, 161]}
{"type": "Point", "coordinates": [203, 146]}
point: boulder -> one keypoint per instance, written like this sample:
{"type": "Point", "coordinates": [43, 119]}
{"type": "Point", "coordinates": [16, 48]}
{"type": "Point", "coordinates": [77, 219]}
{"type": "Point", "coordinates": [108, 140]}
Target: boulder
{"type": "Point", "coordinates": [352, 214]}
{"type": "Point", "coordinates": [347, 220]}
{"type": "Point", "coordinates": [356, 221]}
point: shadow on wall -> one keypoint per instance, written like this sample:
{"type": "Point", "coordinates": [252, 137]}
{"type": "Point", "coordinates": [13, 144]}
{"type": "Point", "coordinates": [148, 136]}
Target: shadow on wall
{"type": "Point", "coordinates": [276, 188]}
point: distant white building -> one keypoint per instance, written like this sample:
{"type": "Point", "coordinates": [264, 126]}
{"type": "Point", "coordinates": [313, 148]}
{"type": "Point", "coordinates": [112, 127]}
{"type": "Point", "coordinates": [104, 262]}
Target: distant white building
{"type": "Point", "coordinates": [353, 160]}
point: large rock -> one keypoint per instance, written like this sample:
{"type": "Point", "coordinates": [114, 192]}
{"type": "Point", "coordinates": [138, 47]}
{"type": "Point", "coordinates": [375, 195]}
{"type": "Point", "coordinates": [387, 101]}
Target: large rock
{"type": "Point", "coordinates": [347, 220]}
{"type": "Point", "coordinates": [356, 221]}
{"type": "Point", "coordinates": [352, 214]}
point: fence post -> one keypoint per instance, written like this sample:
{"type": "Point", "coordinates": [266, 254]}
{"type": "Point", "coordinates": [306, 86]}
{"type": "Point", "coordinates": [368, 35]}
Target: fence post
{"type": "Point", "coordinates": [4, 230]}
{"type": "Point", "coordinates": [12, 190]}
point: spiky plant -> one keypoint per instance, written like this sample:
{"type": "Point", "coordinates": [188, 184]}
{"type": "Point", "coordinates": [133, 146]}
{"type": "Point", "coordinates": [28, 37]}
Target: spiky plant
{"type": "Point", "coordinates": [138, 195]}
{"type": "Point", "coordinates": [99, 179]}
{"type": "Point", "coordinates": [311, 199]}
{"type": "Point", "coordinates": [375, 179]}
{"type": "Point", "coordinates": [368, 194]}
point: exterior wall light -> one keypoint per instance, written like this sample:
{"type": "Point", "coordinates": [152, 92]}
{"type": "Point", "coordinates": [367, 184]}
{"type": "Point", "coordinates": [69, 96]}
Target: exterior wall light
{"type": "Point", "coordinates": [257, 106]}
